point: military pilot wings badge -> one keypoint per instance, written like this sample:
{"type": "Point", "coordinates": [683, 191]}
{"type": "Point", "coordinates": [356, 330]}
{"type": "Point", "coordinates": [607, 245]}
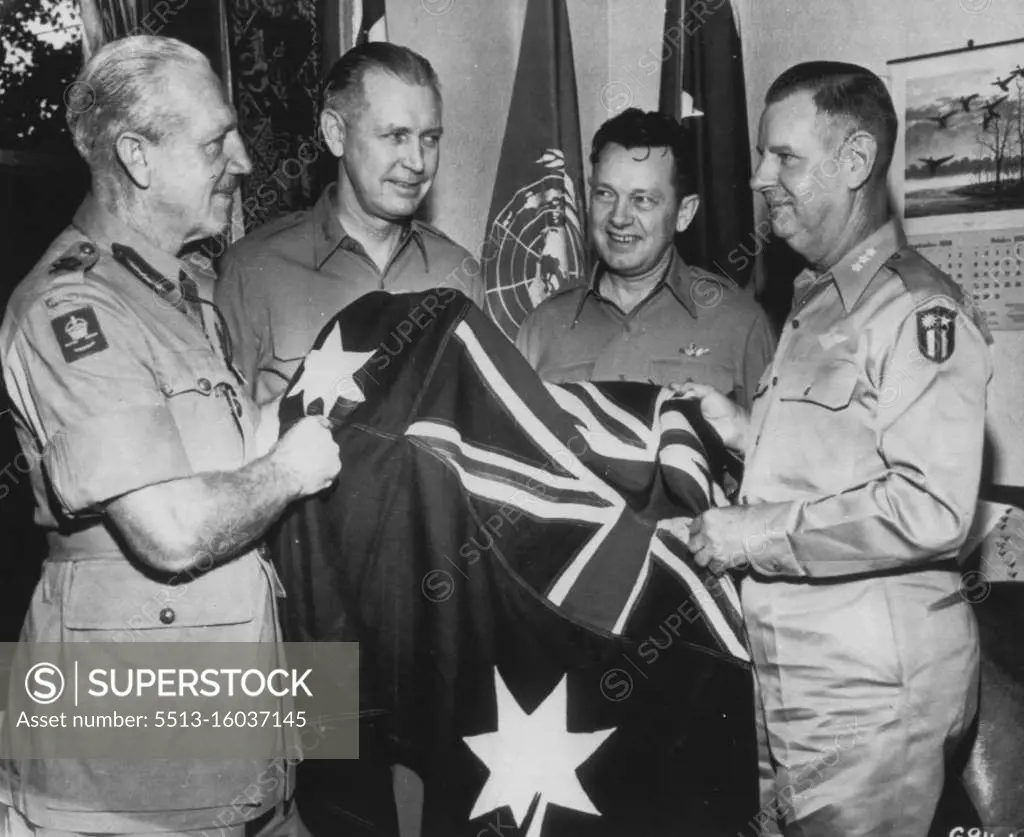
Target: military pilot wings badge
{"type": "Point", "coordinates": [936, 332]}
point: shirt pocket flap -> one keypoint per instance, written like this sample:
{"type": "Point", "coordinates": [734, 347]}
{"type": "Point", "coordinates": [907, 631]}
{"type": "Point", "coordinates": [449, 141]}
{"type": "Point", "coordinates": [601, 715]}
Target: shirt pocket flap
{"type": "Point", "coordinates": [110, 594]}
{"type": "Point", "coordinates": [828, 385]}
{"type": "Point", "coordinates": [200, 373]}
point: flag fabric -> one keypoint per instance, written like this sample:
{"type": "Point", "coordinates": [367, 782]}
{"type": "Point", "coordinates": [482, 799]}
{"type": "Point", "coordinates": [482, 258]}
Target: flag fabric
{"type": "Point", "coordinates": [702, 84]}
{"type": "Point", "coordinates": [369, 21]}
{"type": "Point", "coordinates": [535, 228]}
{"type": "Point", "coordinates": [532, 644]}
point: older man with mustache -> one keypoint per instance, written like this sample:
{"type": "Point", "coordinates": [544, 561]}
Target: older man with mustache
{"type": "Point", "coordinates": [148, 480]}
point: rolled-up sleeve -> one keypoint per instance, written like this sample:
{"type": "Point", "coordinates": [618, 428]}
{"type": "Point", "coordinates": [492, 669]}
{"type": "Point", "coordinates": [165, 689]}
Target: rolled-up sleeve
{"type": "Point", "coordinates": [100, 420]}
{"type": "Point", "coordinates": [929, 433]}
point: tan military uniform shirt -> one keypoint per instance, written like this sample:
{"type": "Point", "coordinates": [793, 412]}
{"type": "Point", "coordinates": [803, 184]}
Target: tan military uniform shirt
{"type": "Point", "coordinates": [114, 389]}
{"type": "Point", "coordinates": [866, 432]}
{"type": "Point", "coordinates": [694, 325]}
{"type": "Point", "coordinates": [280, 285]}
{"type": "Point", "coordinates": [863, 462]}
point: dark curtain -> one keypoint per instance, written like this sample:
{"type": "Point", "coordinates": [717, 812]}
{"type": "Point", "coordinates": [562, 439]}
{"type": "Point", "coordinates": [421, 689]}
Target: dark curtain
{"type": "Point", "coordinates": [277, 49]}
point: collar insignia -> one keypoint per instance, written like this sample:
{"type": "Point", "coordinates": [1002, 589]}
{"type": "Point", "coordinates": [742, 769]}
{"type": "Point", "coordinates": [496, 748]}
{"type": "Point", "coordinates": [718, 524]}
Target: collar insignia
{"type": "Point", "coordinates": [863, 259]}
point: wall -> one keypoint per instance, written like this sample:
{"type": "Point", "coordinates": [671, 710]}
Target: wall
{"type": "Point", "coordinates": [871, 32]}
{"type": "Point", "coordinates": [474, 46]}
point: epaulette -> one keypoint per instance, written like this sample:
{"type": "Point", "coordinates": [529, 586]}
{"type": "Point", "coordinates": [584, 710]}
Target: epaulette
{"type": "Point", "coordinates": [424, 226]}
{"type": "Point", "coordinates": [700, 273]}
{"type": "Point", "coordinates": [921, 276]}
{"type": "Point", "coordinates": [80, 256]}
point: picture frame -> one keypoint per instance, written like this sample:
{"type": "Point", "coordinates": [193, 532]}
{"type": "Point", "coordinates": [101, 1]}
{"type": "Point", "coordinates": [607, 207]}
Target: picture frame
{"type": "Point", "coordinates": [958, 165]}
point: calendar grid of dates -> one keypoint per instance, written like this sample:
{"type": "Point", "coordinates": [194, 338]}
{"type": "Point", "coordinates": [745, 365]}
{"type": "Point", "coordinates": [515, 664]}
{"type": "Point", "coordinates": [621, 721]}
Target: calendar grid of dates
{"type": "Point", "coordinates": [989, 265]}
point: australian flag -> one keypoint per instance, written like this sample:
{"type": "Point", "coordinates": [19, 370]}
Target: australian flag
{"type": "Point", "coordinates": [532, 644]}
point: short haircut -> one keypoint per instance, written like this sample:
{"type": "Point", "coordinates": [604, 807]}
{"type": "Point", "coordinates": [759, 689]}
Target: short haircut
{"type": "Point", "coordinates": [635, 128]}
{"type": "Point", "coordinates": [122, 87]}
{"type": "Point", "coordinates": [343, 86]}
{"type": "Point", "coordinates": [849, 94]}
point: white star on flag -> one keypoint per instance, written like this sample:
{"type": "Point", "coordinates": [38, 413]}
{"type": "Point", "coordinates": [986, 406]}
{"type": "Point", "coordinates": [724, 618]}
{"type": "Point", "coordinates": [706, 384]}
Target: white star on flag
{"type": "Point", "coordinates": [329, 373]}
{"type": "Point", "coordinates": [687, 106]}
{"type": "Point", "coordinates": [531, 754]}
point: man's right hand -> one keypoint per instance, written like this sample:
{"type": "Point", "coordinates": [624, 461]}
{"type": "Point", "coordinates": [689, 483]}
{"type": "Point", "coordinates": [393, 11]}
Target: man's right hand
{"type": "Point", "coordinates": [309, 455]}
{"type": "Point", "coordinates": [726, 418]}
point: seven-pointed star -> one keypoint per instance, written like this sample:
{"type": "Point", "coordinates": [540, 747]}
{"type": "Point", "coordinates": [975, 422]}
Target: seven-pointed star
{"type": "Point", "coordinates": [329, 373]}
{"type": "Point", "coordinates": [533, 753]}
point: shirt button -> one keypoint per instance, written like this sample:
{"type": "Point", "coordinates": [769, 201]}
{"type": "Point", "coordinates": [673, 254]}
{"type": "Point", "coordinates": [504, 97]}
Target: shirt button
{"type": "Point", "coordinates": [167, 616]}
{"type": "Point", "coordinates": [205, 387]}
{"type": "Point", "coordinates": [775, 380]}
{"type": "Point", "coordinates": [796, 324]}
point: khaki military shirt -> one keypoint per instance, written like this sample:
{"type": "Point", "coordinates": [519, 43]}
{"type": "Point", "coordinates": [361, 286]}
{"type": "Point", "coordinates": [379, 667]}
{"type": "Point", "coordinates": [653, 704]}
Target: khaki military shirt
{"type": "Point", "coordinates": [865, 442]}
{"type": "Point", "coordinates": [280, 285]}
{"type": "Point", "coordinates": [114, 388]}
{"type": "Point", "coordinates": [694, 325]}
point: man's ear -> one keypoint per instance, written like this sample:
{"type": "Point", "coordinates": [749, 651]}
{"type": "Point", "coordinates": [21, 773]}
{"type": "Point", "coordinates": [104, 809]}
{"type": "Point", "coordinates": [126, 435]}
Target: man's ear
{"type": "Point", "coordinates": [133, 153]}
{"type": "Point", "coordinates": [858, 158]}
{"type": "Point", "coordinates": [333, 128]}
{"type": "Point", "coordinates": [687, 209]}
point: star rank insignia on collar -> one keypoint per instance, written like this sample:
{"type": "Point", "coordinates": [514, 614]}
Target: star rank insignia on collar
{"type": "Point", "coordinates": [693, 350]}
{"type": "Point", "coordinates": [936, 332]}
{"type": "Point", "coordinates": [863, 259]}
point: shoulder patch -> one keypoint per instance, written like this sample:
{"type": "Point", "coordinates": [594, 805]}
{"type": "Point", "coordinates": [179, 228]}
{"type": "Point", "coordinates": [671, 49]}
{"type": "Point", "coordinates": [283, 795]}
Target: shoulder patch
{"type": "Point", "coordinates": [82, 255]}
{"type": "Point", "coordinates": [936, 332]}
{"type": "Point", "coordinates": [78, 333]}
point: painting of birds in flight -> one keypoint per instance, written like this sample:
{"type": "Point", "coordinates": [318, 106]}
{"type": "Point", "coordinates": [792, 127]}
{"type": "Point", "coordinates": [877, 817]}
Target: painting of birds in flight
{"type": "Point", "coordinates": [964, 131]}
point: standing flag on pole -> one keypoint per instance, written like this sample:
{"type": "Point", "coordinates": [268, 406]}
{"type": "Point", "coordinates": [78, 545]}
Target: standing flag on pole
{"type": "Point", "coordinates": [534, 243]}
{"type": "Point", "coordinates": [703, 85]}
{"type": "Point", "coordinates": [369, 21]}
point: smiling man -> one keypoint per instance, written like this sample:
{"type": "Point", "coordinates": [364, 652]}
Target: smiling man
{"type": "Point", "coordinates": [146, 474]}
{"type": "Point", "coordinates": [381, 118]}
{"type": "Point", "coordinates": [646, 315]}
{"type": "Point", "coordinates": [863, 456]}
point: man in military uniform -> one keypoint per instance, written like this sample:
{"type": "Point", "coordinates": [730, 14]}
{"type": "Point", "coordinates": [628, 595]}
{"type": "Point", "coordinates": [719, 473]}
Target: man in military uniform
{"type": "Point", "coordinates": [280, 285]}
{"type": "Point", "coordinates": [645, 315]}
{"type": "Point", "coordinates": [147, 473]}
{"type": "Point", "coordinates": [863, 458]}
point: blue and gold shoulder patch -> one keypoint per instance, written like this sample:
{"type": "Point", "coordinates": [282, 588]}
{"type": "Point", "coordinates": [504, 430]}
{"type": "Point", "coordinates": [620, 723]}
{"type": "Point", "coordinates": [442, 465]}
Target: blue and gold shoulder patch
{"type": "Point", "coordinates": [78, 333]}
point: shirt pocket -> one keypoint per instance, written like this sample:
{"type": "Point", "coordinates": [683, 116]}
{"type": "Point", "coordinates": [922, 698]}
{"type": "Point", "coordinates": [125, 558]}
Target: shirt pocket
{"type": "Point", "coordinates": [109, 599]}
{"type": "Point", "coordinates": [562, 372]}
{"type": "Point", "coordinates": [816, 427]}
{"type": "Point", "coordinates": [291, 341]}
{"type": "Point", "coordinates": [677, 369]}
{"type": "Point", "coordinates": [828, 385]}
{"type": "Point", "coordinates": [215, 419]}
